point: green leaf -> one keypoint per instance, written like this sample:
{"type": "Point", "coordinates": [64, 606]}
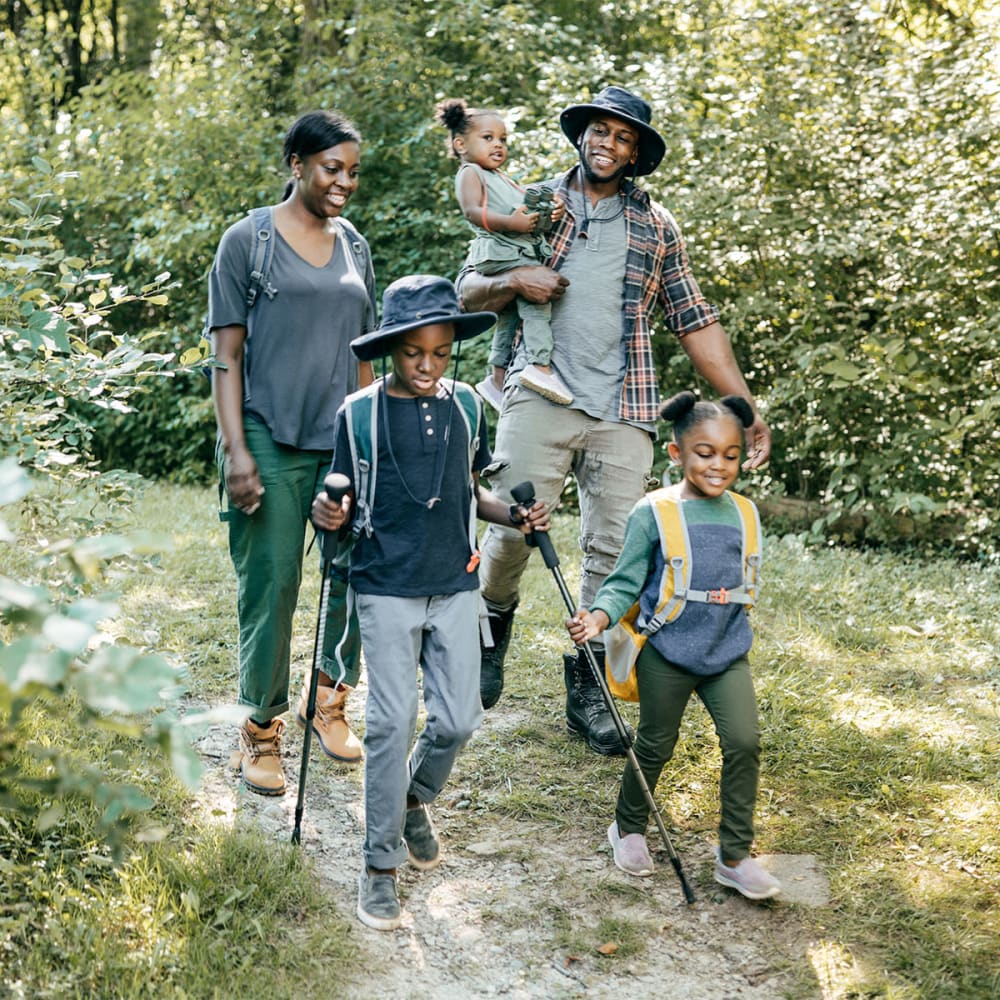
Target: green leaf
{"type": "Point", "coordinates": [121, 679]}
{"type": "Point", "coordinates": [191, 356]}
{"type": "Point", "coordinates": [67, 634]}
{"type": "Point", "coordinates": [13, 482]}
{"type": "Point", "coordinates": [843, 370]}
{"type": "Point", "coordinates": [19, 596]}
{"type": "Point", "coordinates": [49, 817]}
{"type": "Point", "coordinates": [185, 762]}
{"type": "Point", "coordinates": [24, 662]}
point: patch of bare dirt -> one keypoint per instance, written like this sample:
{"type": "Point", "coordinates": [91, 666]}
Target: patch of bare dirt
{"type": "Point", "coordinates": [518, 910]}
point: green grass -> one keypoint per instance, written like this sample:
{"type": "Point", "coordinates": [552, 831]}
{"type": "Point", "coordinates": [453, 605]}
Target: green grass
{"type": "Point", "coordinates": [878, 679]}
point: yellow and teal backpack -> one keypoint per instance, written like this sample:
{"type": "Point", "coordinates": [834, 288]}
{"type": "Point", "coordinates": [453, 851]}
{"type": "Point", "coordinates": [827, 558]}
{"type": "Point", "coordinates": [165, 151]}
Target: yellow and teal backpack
{"type": "Point", "coordinates": [624, 641]}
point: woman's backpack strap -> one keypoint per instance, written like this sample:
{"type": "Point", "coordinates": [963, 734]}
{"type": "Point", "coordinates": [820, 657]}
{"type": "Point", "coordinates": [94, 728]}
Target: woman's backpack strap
{"type": "Point", "coordinates": [261, 252]}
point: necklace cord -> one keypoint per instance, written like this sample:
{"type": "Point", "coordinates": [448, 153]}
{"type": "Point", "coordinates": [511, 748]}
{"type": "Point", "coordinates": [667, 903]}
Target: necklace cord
{"type": "Point", "coordinates": [442, 451]}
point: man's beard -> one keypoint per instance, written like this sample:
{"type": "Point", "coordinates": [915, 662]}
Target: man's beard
{"type": "Point", "coordinates": [592, 178]}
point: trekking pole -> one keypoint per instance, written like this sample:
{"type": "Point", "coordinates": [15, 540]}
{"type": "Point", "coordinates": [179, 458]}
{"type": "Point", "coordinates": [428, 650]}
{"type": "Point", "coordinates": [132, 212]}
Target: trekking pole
{"type": "Point", "coordinates": [336, 485]}
{"type": "Point", "coordinates": [524, 494]}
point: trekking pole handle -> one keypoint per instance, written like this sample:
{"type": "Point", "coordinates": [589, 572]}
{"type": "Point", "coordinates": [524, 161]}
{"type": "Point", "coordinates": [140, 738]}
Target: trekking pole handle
{"type": "Point", "coordinates": [524, 495]}
{"type": "Point", "coordinates": [336, 485]}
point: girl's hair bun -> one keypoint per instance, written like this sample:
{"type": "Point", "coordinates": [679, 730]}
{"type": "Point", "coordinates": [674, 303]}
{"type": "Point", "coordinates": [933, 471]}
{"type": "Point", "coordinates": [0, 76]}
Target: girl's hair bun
{"type": "Point", "coordinates": [677, 407]}
{"type": "Point", "coordinates": [453, 114]}
{"type": "Point", "coordinates": [740, 407]}
{"type": "Point", "coordinates": [686, 411]}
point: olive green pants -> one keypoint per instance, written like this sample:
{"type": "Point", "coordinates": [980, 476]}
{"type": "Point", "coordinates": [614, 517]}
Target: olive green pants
{"type": "Point", "coordinates": [266, 549]}
{"type": "Point", "coordinates": [664, 691]}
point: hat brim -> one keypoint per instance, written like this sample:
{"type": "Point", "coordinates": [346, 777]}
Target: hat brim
{"type": "Point", "coordinates": [652, 148]}
{"type": "Point", "coordinates": [378, 343]}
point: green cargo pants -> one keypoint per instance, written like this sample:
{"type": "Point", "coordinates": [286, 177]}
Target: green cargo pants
{"type": "Point", "coordinates": [664, 691]}
{"type": "Point", "coordinates": [266, 549]}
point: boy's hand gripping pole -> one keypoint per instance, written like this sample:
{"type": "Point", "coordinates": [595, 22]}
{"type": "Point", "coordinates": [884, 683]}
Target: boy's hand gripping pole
{"type": "Point", "coordinates": [336, 486]}
{"type": "Point", "coordinates": [524, 494]}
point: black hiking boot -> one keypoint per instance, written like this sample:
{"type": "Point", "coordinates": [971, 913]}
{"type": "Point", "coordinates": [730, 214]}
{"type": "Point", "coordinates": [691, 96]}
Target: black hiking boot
{"type": "Point", "coordinates": [586, 713]}
{"type": "Point", "coordinates": [491, 669]}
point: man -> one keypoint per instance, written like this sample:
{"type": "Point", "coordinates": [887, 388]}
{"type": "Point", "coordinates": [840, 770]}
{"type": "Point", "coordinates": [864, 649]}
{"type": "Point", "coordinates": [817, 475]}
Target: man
{"type": "Point", "coordinates": [617, 255]}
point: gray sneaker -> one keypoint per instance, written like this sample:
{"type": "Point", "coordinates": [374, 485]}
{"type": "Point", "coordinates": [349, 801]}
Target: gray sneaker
{"type": "Point", "coordinates": [422, 845]}
{"type": "Point", "coordinates": [630, 852]}
{"type": "Point", "coordinates": [489, 391]}
{"type": "Point", "coordinates": [748, 878]}
{"type": "Point", "coordinates": [546, 384]}
{"type": "Point", "coordinates": [378, 901]}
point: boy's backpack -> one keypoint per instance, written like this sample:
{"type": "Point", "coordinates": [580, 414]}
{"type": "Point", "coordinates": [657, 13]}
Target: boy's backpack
{"type": "Point", "coordinates": [361, 417]}
{"type": "Point", "coordinates": [261, 252]}
{"type": "Point", "coordinates": [625, 641]}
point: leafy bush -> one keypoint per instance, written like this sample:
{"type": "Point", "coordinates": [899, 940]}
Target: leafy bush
{"type": "Point", "coordinates": [839, 187]}
{"type": "Point", "coordinates": [58, 361]}
{"type": "Point", "coordinates": [833, 170]}
{"type": "Point", "coordinates": [55, 659]}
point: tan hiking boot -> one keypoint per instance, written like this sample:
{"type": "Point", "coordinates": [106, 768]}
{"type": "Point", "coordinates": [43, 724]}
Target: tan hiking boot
{"type": "Point", "coordinates": [260, 761]}
{"type": "Point", "coordinates": [330, 723]}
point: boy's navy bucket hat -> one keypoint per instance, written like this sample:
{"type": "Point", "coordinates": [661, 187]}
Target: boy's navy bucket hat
{"type": "Point", "coordinates": [415, 301]}
{"type": "Point", "coordinates": [620, 103]}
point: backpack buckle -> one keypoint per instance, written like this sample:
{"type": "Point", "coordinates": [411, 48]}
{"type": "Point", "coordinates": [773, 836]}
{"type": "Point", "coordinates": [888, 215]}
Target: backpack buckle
{"type": "Point", "coordinates": [720, 596]}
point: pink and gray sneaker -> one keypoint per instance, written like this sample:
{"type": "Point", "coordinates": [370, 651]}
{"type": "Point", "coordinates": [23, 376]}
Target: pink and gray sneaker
{"type": "Point", "coordinates": [748, 878]}
{"type": "Point", "coordinates": [630, 852]}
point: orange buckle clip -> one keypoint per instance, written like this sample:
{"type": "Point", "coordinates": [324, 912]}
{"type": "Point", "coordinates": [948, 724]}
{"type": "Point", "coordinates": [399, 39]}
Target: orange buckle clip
{"type": "Point", "coordinates": [473, 564]}
{"type": "Point", "coordinates": [720, 596]}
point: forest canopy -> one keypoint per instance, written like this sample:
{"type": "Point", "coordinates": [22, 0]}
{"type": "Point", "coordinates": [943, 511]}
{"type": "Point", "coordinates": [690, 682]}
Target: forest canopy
{"type": "Point", "coordinates": [834, 168]}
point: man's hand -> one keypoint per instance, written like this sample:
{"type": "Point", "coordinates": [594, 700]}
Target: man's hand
{"type": "Point", "coordinates": [539, 284]}
{"type": "Point", "coordinates": [558, 209]}
{"type": "Point", "coordinates": [536, 283]}
{"type": "Point", "coordinates": [758, 439]}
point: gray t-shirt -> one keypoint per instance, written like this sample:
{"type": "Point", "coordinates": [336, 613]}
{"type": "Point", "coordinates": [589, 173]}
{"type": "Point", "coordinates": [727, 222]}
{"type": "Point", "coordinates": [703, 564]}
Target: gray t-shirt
{"type": "Point", "coordinates": [587, 325]}
{"type": "Point", "coordinates": [298, 364]}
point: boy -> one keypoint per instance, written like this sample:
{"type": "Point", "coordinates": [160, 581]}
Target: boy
{"type": "Point", "coordinates": [412, 445]}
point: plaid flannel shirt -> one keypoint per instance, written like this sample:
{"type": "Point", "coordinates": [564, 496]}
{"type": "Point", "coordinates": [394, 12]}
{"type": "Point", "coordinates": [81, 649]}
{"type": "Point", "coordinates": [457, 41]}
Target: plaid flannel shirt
{"type": "Point", "coordinates": [656, 270]}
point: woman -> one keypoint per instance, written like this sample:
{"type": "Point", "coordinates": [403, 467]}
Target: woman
{"type": "Point", "coordinates": [285, 366]}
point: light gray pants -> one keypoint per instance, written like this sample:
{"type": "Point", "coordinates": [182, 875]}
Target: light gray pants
{"type": "Point", "coordinates": [441, 635]}
{"type": "Point", "coordinates": [543, 443]}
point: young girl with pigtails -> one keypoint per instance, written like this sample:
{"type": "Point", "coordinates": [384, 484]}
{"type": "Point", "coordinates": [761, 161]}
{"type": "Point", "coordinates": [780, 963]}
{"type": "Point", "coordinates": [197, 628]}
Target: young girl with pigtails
{"type": "Point", "coordinates": [703, 650]}
{"type": "Point", "coordinates": [509, 228]}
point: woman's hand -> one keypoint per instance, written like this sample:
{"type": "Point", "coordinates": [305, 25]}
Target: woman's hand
{"type": "Point", "coordinates": [243, 480]}
{"type": "Point", "coordinates": [586, 625]}
{"type": "Point", "coordinates": [330, 516]}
